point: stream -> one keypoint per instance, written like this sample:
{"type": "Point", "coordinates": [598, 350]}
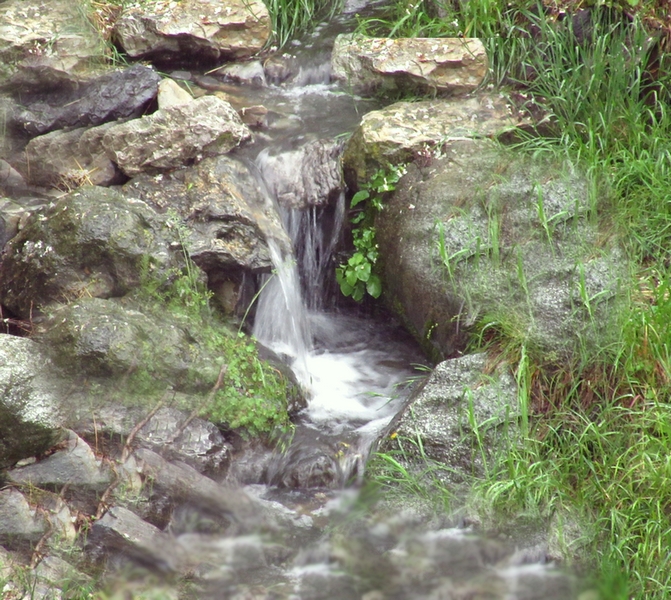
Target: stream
{"type": "Point", "coordinates": [327, 539]}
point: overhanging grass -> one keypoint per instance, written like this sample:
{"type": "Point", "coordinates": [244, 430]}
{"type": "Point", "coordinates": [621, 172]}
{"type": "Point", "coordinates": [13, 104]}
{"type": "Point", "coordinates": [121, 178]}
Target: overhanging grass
{"type": "Point", "coordinates": [599, 437]}
{"type": "Point", "coordinates": [290, 18]}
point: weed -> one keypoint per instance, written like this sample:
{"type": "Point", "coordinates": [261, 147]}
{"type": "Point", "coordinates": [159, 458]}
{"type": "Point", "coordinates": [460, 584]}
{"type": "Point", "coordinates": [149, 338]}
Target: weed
{"type": "Point", "coordinates": [358, 277]}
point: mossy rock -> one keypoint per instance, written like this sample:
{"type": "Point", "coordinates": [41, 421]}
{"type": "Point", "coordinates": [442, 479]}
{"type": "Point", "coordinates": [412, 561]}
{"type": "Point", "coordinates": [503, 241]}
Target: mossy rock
{"type": "Point", "coordinates": [93, 242]}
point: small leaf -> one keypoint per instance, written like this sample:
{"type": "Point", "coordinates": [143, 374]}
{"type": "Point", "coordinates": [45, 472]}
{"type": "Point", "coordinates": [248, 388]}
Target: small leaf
{"type": "Point", "coordinates": [357, 218]}
{"type": "Point", "coordinates": [358, 293]}
{"type": "Point", "coordinates": [360, 196]}
{"type": "Point", "coordinates": [363, 272]}
{"type": "Point", "coordinates": [374, 286]}
{"type": "Point", "coordinates": [351, 277]}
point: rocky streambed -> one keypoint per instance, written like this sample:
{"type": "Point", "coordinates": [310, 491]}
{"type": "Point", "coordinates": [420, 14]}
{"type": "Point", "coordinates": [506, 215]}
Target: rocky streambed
{"type": "Point", "coordinates": [148, 219]}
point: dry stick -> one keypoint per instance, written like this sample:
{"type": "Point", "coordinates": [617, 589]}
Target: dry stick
{"type": "Point", "coordinates": [38, 555]}
{"type": "Point", "coordinates": [196, 411]}
{"type": "Point", "coordinates": [103, 502]}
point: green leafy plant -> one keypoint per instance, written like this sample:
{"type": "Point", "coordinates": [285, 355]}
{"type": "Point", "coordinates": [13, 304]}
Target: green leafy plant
{"type": "Point", "coordinates": [357, 277]}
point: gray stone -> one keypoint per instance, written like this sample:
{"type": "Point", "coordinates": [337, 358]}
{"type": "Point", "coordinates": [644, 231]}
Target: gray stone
{"type": "Point", "coordinates": [250, 72]}
{"type": "Point", "coordinates": [407, 130]}
{"type": "Point", "coordinates": [75, 465]}
{"type": "Point", "coordinates": [308, 176]}
{"type": "Point", "coordinates": [421, 65]}
{"type": "Point", "coordinates": [43, 44]}
{"type": "Point", "coordinates": [488, 233]}
{"type": "Point", "coordinates": [68, 159]}
{"type": "Point", "coordinates": [194, 31]}
{"type": "Point", "coordinates": [19, 522]}
{"type": "Point", "coordinates": [459, 419]}
{"type": "Point", "coordinates": [175, 136]}
{"type": "Point", "coordinates": [93, 242]}
{"type": "Point", "coordinates": [112, 96]}
{"type": "Point", "coordinates": [186, 485]}
{"type": "Point", "coordinates": [30, 400]}
{"type": "Point", "coordinates": [122, 532]}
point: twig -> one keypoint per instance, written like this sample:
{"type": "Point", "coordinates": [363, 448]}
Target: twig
{"type": "Point", "coordinates": [196, 411]}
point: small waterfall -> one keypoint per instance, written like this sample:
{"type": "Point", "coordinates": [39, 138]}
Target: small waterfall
{"type": "Point", "coordinates": [281, 319]}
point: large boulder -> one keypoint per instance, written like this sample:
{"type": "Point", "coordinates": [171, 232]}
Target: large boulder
{"type": "Point", "coordinates": [119, 94]}
{"type": "Point", "coordinates": [405, 131]}
{"type": "Point", "coordinates": [420, 65]}
{"type": "Point", "coordinates": [175, 136]}
{"type": "Point", "coordinates": [504, 239]}
{"type": "Point", "coordinates": [30, 400]}
{"type": "Point", "coordinates": [46, 44]}
{"type": "Point", "coordinates": [108, 337]}
{"type": "Point", "coordinates": [91, 243]}
{"type": "Point", "coordinates": [193, 31]}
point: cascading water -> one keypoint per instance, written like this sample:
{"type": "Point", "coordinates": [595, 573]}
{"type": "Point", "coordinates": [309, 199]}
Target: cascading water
{"type": "Point", "coordinates": [303, 541]}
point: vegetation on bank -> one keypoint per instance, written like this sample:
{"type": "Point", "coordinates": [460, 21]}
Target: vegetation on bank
{"type": "Point", "coordinates": [599, 430]}
{"type": "Point", "coordinates": [248, 394]}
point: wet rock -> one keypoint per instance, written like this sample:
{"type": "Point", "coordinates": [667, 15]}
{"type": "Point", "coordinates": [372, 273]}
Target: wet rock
{"type": "Point", "coordinates": [20, 524]}
{"type": "Point", "coordinates": [46, 44]}
{"type": "Point", "coordinates": [194, 31]}
{"type": "Point", "coordinates": [68, 159]}
{"type": "Point", "coordinates": [74, 465]}
{"type": "Point", "coordinates": [91, 243]}
{"type": "Point", "coordinates": [458, 419]}
{"type": "Point", "coordinates": [30, 400]}
{"type": "Point", "coordinates": [251, 73]}
{"type": "Point", "coordinates": [308, 176]}
{"type": "Point", "coordinates": [123, 533]}
{"type": "Point", "coordinates": [229, 221]}
{"type": "Point", "coordinates": [484, 231]}
{"type": "Point", "coordinates": [408, 130]}
{"type": "Point", "coordinates": [255, 117]}
{"type": "Point", "coordinates": [184, 484]}
{"type": "Point", "coordinates": [12, 217]}
{"type": "Point", "coordinates": [175, 136]}
{"type": "Point", "coordinates": [381, 65]}
{"type": "Point", "coordinates": [112, 96]}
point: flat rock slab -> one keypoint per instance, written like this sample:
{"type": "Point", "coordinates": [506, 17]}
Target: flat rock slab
{"type": "Point", "coordinates": [122, 531]}
{"type": "Point", "coordinates": [175, 136]}
{"type": "Point", "coordinates": [75, 465]}
{"type": "Point", "coordinates": [405, 130]}
{"type": "Point", "coordinates": [193, 30]}
{"type": "Point", "coordinates": [116, 95]}
{"type": "Point", "coordinates": [444, 65]}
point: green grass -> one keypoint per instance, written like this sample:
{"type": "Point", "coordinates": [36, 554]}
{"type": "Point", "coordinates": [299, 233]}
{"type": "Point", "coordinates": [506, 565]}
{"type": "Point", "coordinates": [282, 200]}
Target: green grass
{"type": "Point", "coordinates": [599, 425]}
{"type": "Point", "coordinates": [291, 18]}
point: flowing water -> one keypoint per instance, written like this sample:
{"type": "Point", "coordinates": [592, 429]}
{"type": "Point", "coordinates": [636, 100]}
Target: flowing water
{"type": "Point", "coordinates": [321, 539]}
